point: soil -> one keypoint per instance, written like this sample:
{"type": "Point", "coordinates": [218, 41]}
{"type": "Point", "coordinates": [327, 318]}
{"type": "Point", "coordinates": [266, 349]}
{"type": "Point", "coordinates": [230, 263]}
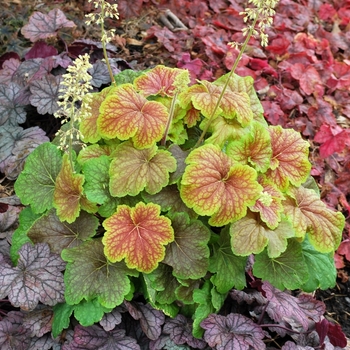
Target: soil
{"type": "Point", "coordinates": [140, 54]}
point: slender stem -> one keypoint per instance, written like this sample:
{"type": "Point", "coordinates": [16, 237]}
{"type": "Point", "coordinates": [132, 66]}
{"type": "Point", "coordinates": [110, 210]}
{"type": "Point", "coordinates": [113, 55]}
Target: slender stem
{"type": "Point", "coordinates": [170, 119]}
{"type": "Point", "coordinates": [250, 33]}
{"type": "Point", "coordinates": [104, 45]}
{"type": "Point", "coordinates": [70, 144]}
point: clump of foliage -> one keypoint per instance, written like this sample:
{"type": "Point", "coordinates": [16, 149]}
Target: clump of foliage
{"type": "Point", "coordinates": [162, 202]}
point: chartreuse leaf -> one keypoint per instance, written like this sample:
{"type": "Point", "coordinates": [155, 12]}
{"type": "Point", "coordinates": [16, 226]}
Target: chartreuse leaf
{"type": "Point", "coordinates": [250, 236]}
{"type": "Point", "coordinates": [163, 81]}
{"type": "Point", "coordinates": [68, 192]}
{"type": "Point", "coordinates": [289, 162]}
{"type": "Point", "coordinates": [321, 268]}
{"type": "Point", "coordinates": [254, 148]}
{"type": "Point", "coordinates": [133, 170]}
{"type": "Point", "coordinates": [137, 234]}
{"type": "Point", "coordinates": [26, 219]}
{"type": "Point", "coordinates": [90, 275]}
{"type": "Point", "coordinates": [269, 205]}
{"type": "Point", "coordinates": [91, 110]}
{"type": "Point", "coordinates": [126, 114]}
{"type": "Point", "coordinates": [228, 269]}
{"type": "Point", "coordinates": [213, 185]}
{"type": "Point", "coordinates": [59, 235]}
{"type": "Point", "coordinates": [309, 214]}
{"type": "Point", "coordinates": [288, 271]}
{"type": "Point", "coordinates": [188, 254]}
{"type": "Point", "coordinates": [223, 130]}
{"type": "Point", "coordinates": [35, 185]}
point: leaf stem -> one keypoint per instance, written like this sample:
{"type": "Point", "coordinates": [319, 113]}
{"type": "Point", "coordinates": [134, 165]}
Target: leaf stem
{"type": "Point", "coordinates": [238, 58]}
{"type": "Point", "coordinates": [170, 119]}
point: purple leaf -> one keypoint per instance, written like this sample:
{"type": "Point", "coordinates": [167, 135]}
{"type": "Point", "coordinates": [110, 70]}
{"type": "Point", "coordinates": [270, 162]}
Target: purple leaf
{"type": "Point", "coordinates": [7, 219]}
{"type": "Point", "coordinates": [41, 50]}
{"type": "Point", "coordinates": [151, 319]}
{"type": "Point", "coordinates": [283, 307]}
{"type": "Point", "coordinates": [110, 320]}
{"type": "Point", "coordinates": [34, 69]}
{"type": "Point", "coordinates": [45, 93]}
{"type": "Point", "coordinates": [95, 338]}
{"type": "Point", "coordinates": [9, 67]}
{"type": "Point", "coordinates": [234, 331]}
{"type": "Point", "coordinates": [44, 342]}
{"type": "Point", "coordinates": [180, 331]}
{"type": "Point", "coordinates": [37, 277]}
{"type": "Point", "coordinates": [292, 346]}
{"type": "Point", "coordinates": [39, 320]}
{"type": "Point", "coordinates": [13, 335]}
{"type": "Point", "coordinates": [11, 113]}
{"type": "Point", "coordinates": [99, 73]}
{"type": "Point", "coordinates": [42, 26]}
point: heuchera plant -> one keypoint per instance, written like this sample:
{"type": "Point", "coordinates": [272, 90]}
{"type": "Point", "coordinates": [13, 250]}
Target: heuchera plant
{"type": "Point", "coordinates": [175, 192]}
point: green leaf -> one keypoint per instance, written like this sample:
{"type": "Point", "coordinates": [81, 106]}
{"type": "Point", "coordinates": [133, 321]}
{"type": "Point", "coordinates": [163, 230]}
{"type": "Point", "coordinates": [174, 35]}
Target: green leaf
{"type": "Point", "coordinates": [19, 238]}
{"type": "Point", "coordinates": [214, 185]}
{"type": "Point", "coordinates": [61, 317]}
{"type": "Point", "coordinates": [188, 254]}
{"type": "Point", "coordinates": [59, 235]}
{"type": "Point", "coordinates": [90, 275]}
{"type": "Point", "coordinates": [229, 269]}
{"type": "Point", "coordinates": [68, 192]}
{"type": "Point", "coordinates": [127, 76]}
{"type": "Point", "coordinates": [288, 271]}
{"type": "Point", "coordinates": [250, 236]}
{"type": "Point", "coordinates": [322, 271]}
{"type": "Point", "coordinates": [309, 214]}
{"type": "Point", "coordinates": [36, 183]}
{"type": "Point", "coordinates": [137, 234]}
{"type": "Point", "coordinates": [89, 312]}
{"type": "Point", "coordinates": [185, 291]}
{"type": "Point", "coordinates": [133, 170]}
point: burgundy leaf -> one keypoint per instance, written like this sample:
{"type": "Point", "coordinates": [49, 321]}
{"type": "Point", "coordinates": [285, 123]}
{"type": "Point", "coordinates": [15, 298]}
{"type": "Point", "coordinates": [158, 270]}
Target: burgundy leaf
{"type": "Point", "coordinates": [180, 331]}
{"type": "Point", "coordinates": [42, 26]}
{"type": "Point", "coordinates": [333, 331]}
{"type": "Point", "coordinates": [41, 50]}
{"type": "Point", "coordinates": [37, 277]}
{"type": "Point", "coordinates": [13, 335]}
{"type": "Point", "coordinates": [45, 93]}
{"type": "Point", "coordinates": [233, 331]}
{"type": "Point", "coordinates": [151, 319]}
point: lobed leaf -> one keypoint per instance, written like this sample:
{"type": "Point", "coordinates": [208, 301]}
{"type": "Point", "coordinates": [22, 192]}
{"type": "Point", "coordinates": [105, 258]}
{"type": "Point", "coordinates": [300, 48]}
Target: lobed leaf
{"type": "Point", "coordinates": [35, 185]}
{"type": "Point", "coordinates": [68, 192]}
{"type": "Point", "coordinates": [289, 163]}
{"type": "Point", "coordinates": [163, 81]}
{"type": "Point", "coordinates": [188, 254]}
{"type": "Point", "coordinates": [37, 277]}
{"type": "Point", "coordinates": [60, 235]}
{"type": "Point", "coordinates": [137, 234]}
{"type": "Point", "coordinates": [133, 170]}
{"type": "Point", "coordinates": [213, 185]}
{"type": "Point", "coordinates": [126, 114]}
{"type": "Point", "coordinates": [43, 26]}
{"type": "Point", "coordinates": [90, 275]}
{"type": "Point", "coordinates": [309, 214]}
{"type": "Point", "coordinates": [250, 236]}
{"type": "Point", "coordinates": [12, 113]}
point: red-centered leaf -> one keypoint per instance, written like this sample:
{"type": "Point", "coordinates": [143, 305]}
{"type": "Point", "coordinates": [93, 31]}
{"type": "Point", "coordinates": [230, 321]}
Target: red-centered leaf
{"type": "Point", "coordinates": [309, 79]}
{"type": "Point", "coordinates": [94, 151]}
{"type": "Point", "coordinates": [250, 236]}
{"type": "Point", "coordinates": [42, 26]}
{"type": "Point", "coordinates": [137, 234]}
{"type": "Point", "coordinates": [133, 170]}
{"type": "Point", "coordinates": [68, 192]}
{"type": "Point", "coordinates": [126, 114]}
{"type": "Point", "coordinates": [289, 162]}
{"type": "Point", "coordinates": [37, 277]}
{"type": "Point", "coordinates": [91, 105]}
{"type": "Point", "coordinates": [163, 81]}
{"type": "Point", "coordinates": [253, 148]}
{"type": "Point", "coordinates": [188, 254]}
{"type": "Point", "coordinates": [233, 331]}
{"type": "Point", "coordinates": [269, 205]}
{"type": "Point", "coordinates": [213, 185]}
{"type": "Point", "coordinates": [309, 214]}
{"type": "Point", "coordinates": [332, 138]}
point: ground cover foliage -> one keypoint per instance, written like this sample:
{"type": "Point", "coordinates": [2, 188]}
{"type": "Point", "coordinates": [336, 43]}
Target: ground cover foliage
{"type": "Point", "coordinates": [179, 296]}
